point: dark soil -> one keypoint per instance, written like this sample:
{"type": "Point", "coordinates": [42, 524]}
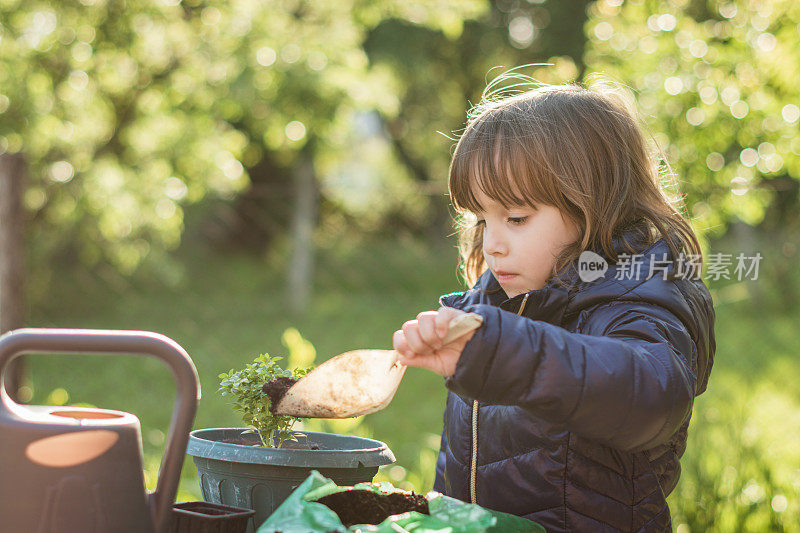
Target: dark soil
{"type": "Point", "coordinates": [276, 389]}
{"type": "Point", "coordinates": [250, 439]}
{"type": "Point", "coordinates": [366, 507]}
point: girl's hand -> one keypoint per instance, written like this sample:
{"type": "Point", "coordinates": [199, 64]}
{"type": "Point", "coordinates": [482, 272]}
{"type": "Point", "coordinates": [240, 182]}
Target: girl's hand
{"type": "Point", "coordinates": [419, 342]}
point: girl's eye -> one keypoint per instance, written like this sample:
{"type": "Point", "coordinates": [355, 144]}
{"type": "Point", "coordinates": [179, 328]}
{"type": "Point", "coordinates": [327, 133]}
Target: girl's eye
{"type": "Point", "coordinates": [518, 221]}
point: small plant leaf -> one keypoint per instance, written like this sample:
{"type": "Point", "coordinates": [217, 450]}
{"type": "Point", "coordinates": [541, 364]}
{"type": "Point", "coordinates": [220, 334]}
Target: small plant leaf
{"type": "Point", "coordinates": [244, 387]}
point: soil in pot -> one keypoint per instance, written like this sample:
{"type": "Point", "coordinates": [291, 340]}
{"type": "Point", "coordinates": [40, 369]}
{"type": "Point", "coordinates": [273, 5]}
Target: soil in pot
{"type": "Point", "coordinates": [251, 439]}
{"type": "Point", "coordinates": [276, 390]}
{"type": "Point", "coordinates": [367, 507]}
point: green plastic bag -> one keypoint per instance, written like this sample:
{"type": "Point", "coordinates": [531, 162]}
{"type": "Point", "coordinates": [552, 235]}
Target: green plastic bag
{"type": "Point", "coordinates": [300, 513]}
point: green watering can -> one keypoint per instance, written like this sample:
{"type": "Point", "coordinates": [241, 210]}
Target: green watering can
{"type": "Point", "coordinates": [72, 469]}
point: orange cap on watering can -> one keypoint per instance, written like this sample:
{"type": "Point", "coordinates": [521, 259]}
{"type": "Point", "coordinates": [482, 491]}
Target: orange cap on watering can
{"type": "Point", "coordinates": [67, 469]}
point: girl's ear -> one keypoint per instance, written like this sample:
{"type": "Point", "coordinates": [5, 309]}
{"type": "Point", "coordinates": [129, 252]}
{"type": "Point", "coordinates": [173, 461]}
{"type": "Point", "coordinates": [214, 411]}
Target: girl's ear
{"type": "Point", "coordinates": [573, 228]}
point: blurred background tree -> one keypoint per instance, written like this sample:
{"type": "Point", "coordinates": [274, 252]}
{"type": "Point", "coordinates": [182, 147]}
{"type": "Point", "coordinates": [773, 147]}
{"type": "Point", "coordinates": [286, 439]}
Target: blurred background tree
{"type": "Point", "coordinates": [441, 73]}
{"type": "Point", "coordinates": [127, 115]}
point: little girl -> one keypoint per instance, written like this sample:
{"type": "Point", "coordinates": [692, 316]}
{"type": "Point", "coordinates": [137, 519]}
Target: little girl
{"type": "Point", "coordinates": [570, 404]}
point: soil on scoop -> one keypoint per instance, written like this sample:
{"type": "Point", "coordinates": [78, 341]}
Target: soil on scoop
{"type": "Point", "coordinates": [366, 507]}
{"type": "Point", "coordinates": [276, 389]}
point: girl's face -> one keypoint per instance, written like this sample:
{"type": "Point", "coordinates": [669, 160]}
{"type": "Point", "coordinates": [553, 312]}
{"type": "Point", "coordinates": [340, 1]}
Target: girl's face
{"type": "Point", "coordinates": [521, 243]}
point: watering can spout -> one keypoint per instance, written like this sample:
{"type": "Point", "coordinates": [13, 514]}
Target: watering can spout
{"type": "Point", "coordinates": [80, 469]}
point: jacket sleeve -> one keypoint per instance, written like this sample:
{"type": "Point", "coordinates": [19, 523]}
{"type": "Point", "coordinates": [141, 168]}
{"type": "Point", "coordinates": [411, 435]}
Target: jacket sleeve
{"type": "Point", "coordinates": [629, 382]}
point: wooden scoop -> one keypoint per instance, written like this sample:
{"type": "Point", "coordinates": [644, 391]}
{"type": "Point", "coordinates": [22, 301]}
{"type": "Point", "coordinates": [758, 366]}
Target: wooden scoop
{"type": "Point", "coordinates": [356, 383]}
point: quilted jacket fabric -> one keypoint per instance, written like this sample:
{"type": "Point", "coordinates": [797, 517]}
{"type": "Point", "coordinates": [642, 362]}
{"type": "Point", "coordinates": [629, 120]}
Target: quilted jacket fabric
{"type": "Point", "coordinates": [583, 400]}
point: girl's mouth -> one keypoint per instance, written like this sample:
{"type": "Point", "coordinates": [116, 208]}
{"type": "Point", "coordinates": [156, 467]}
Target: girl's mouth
{"type": "Point", "coordinates": [504, 276]}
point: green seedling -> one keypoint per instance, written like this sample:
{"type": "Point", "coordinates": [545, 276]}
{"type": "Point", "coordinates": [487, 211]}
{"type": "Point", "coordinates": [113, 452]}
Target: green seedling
{"type": "Point", "coordinates": [244, 387]}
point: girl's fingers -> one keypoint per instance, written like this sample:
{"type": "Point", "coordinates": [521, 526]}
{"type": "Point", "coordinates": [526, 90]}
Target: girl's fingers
{"type": "Point", "coordinates": [418, 362]}
{"type": "Point", "coordinates": [401, 346]}
{"type": "Point", "coordinates": [442, 363]}
{"type": "Point", "coordinates": [414, 339]}
{"type": "Point", "coordinates": [419, 342]}
{"type": "Point", "coordinates": [427, 329]}
{"type": "Point", "coordinates": [407, 356]}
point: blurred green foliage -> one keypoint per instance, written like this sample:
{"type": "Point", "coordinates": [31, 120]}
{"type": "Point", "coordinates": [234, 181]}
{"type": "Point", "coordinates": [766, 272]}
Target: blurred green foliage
{"type": "Point", "coordinates": [716, 81]}
{"type": "Point", "coordinates": [128, 112]}
{"type": "Point", "coordinates": [740, 468]}
{"type": "Point", "coordinates": [113, 107]}
{"type": "Point", "coordinates": [125, 112]}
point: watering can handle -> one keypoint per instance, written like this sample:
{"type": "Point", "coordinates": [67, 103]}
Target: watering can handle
{"type": "Point", "coordinates": [107, 341]}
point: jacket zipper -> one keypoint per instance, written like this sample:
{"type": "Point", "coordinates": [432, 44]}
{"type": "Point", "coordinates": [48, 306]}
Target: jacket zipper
{"type": "Point", "coordinates": [473, 466]}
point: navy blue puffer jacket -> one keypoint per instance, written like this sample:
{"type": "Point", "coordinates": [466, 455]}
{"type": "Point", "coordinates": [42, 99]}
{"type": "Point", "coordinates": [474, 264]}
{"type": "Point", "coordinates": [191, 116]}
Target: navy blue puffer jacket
{"type": "Point", "coordinates": [572, 405]}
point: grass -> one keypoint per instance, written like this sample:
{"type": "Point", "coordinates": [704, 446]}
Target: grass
{"type": "Point", "coordinates": [228, 308]}
{"type": "Point", "coordinates": [739, 471]}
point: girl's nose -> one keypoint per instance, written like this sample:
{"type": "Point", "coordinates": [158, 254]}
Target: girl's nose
{"type": "Point", "coordinates": [493, 243]}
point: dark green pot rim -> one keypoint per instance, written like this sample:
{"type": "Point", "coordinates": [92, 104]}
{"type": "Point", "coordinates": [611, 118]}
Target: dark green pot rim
{"type": "Point", "coordinates": [335, 451]}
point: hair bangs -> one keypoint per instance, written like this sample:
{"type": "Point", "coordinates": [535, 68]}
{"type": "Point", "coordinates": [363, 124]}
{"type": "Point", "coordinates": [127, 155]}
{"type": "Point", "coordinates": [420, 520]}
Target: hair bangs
{"type": "Point", "coordinates": [518, 180]}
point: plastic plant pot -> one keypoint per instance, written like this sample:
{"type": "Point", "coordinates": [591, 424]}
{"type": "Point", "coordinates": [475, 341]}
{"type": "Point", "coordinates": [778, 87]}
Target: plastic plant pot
{"type": "Point", "coordinates": [205, 517]}
{"type": "Point", "coordinates": [260, 478]}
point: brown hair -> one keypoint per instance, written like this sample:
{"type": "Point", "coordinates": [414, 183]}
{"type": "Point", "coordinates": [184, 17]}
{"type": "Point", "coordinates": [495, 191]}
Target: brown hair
{"type": "Point", "coordinates": [577, 149]}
